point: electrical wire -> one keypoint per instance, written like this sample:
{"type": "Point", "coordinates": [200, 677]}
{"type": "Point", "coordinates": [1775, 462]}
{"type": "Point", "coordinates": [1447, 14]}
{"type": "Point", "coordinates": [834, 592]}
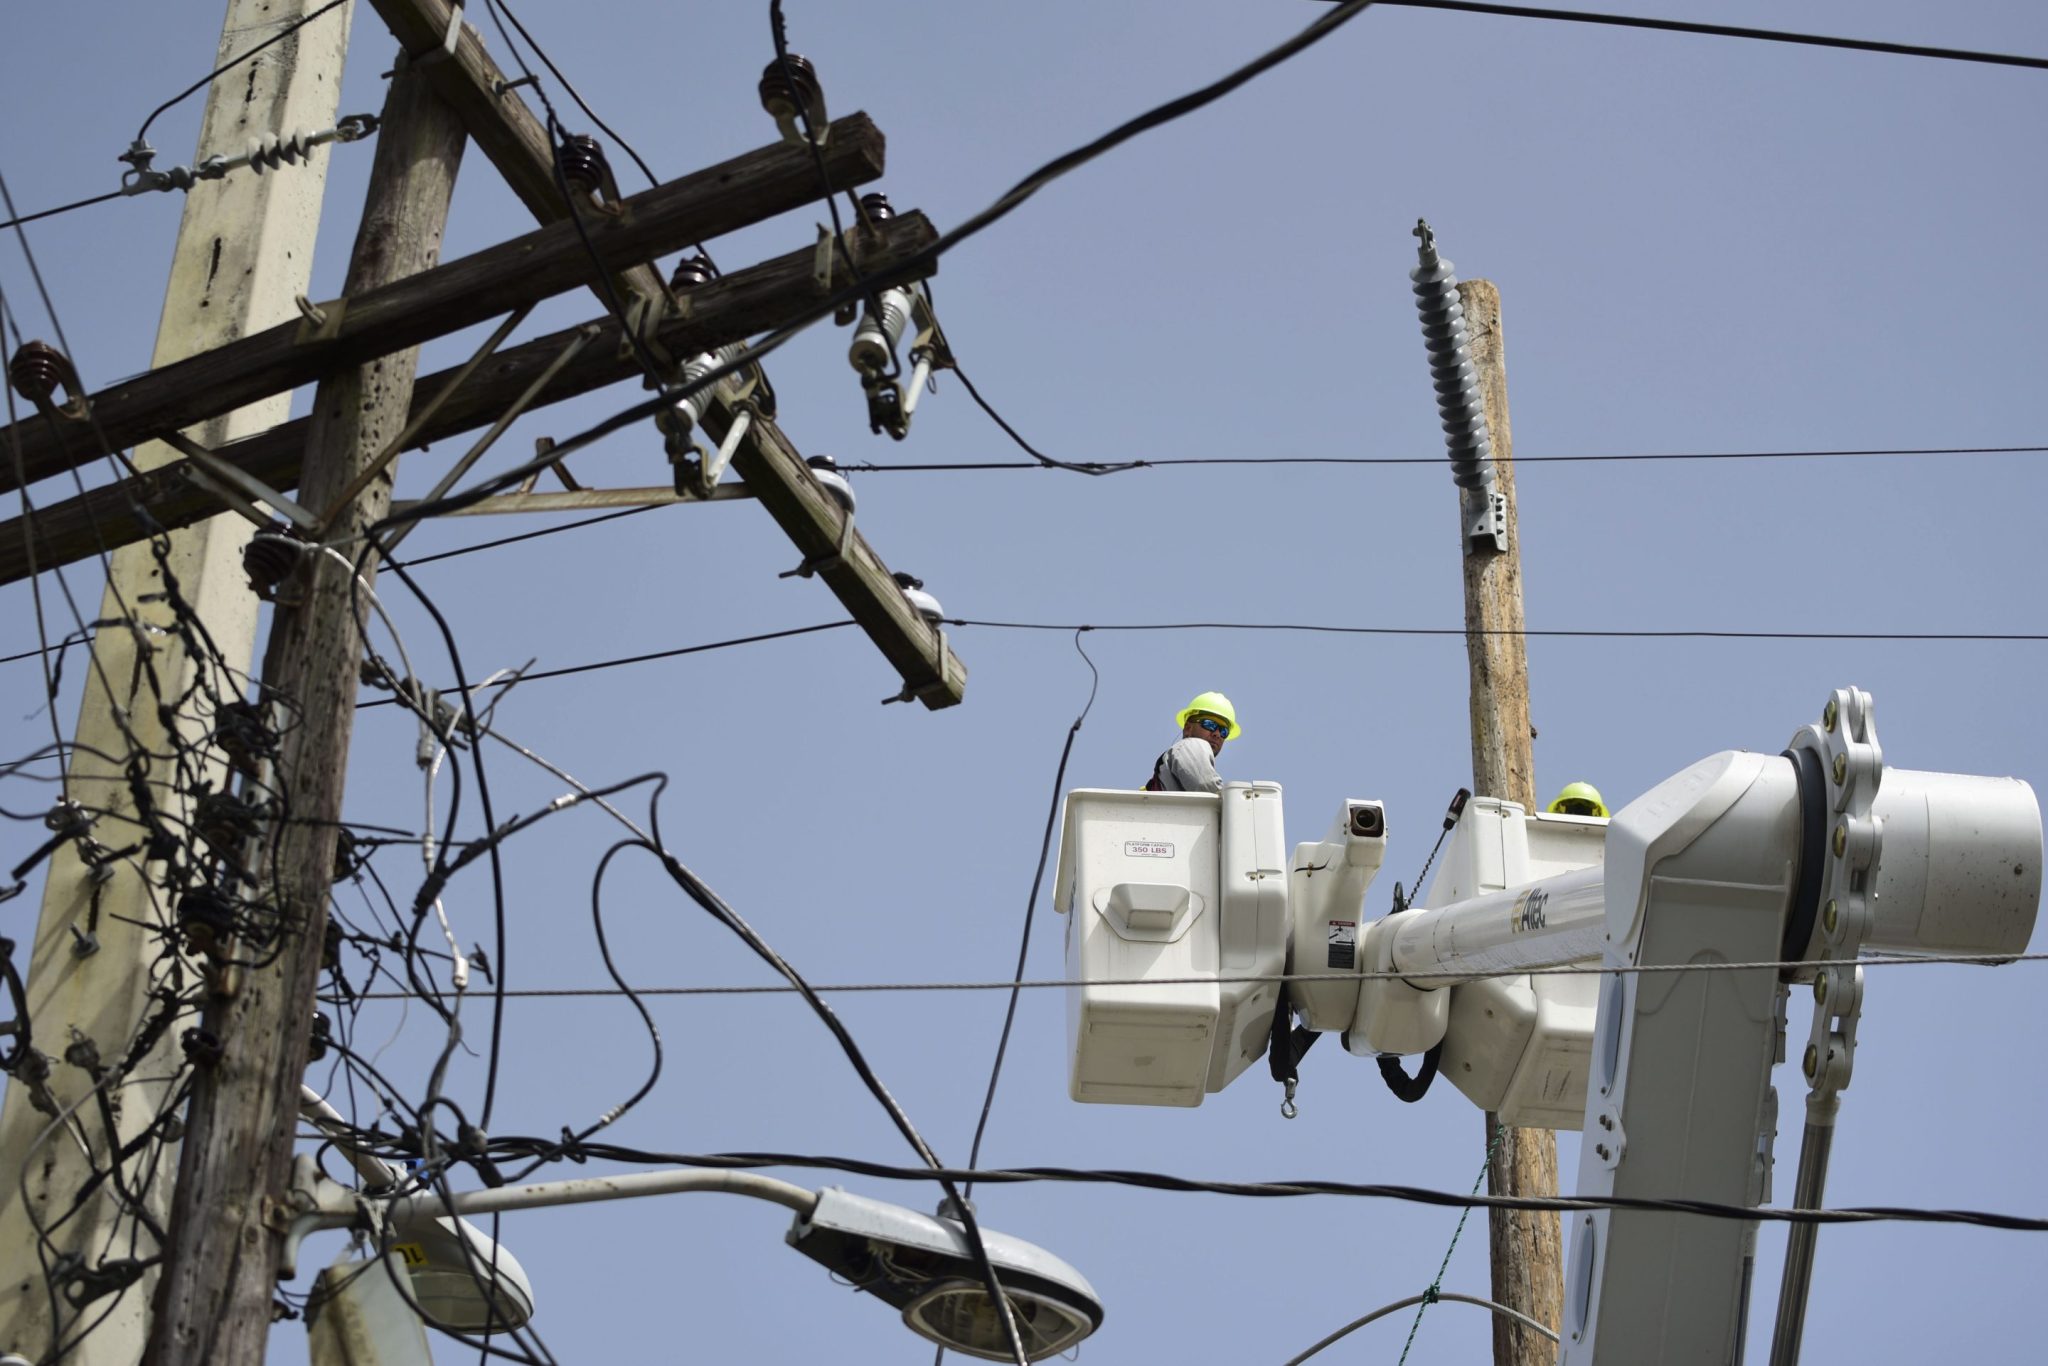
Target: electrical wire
{"type": "Point", "coordinates": [1316, 1187]}
{"type": "Point", "coordinates": [1571, 16]}
{"type": "Point", "coordinates": [1052, 813]}
{"type": "Point", "coordinates": [232, 63]}
{"type": "Point", "coordinates": [1044, 461]}
{"type": "Point", "coordinates": [1232, 978]}
{"type": "Point", "coordinates": [596, 666]}
{"type": "Point", "coordinates": [568, 670]}
{"type": "Point", "coordinates": [62, 208]}
{"type": "Point", "coordinates": [1572, 634]}
{"type": "Point", "coordinates": [1428, 1297]}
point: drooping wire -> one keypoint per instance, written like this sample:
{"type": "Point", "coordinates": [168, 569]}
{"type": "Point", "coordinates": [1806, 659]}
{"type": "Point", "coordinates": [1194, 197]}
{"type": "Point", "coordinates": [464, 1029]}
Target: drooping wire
{"type": "Point", "coordinates": [1059, 787]}
{"type": "Point", "coordinates": [210, 77]}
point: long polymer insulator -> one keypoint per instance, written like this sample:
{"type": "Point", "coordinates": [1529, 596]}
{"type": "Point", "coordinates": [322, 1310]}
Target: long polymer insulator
{"type": "Point", "coordinates": [1458, 400]}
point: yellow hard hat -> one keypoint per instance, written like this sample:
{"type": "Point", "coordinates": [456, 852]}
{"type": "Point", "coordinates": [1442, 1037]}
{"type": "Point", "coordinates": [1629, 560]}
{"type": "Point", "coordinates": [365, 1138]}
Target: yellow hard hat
{"type": "Point", "coordinates": [1215, 704]}
{"type": "Point", "coordinates": [1578, 792]}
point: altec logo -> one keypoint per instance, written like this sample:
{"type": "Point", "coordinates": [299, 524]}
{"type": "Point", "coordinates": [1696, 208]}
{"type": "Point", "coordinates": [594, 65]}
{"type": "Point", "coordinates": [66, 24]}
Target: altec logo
{"type": "Point", "coordinates": [1528, 911]}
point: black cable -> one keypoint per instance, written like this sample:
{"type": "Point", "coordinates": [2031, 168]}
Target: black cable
{"type": "Point", "coordinates": [658, 654]}
{"type": "Point", "coordinates": [958, 1208]}
{"type": "Point", "coordinates": [1059, 787]}
{"type": "Point", "coordinates": [219, 71]}
{"type": "Point", "coordinates": [522, 536]}
{"type": "Point", "coordinates": [1308, 627]}
{"type": "Point", "coordinates": [1950, 54]}
{"type": "Point", "coordinates": [1421, 1195]}
{"type": "Point", "coordinates": [1462, 631]}
{"type": "Point", "coordinates": [64, 208]}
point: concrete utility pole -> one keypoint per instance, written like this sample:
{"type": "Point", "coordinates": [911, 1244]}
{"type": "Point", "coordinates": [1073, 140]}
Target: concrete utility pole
{"type": "Point", "coordinates": [220, 1274]}
{"type": "Point", "coordinates": [1527, 1246]}
{"type": "Point", "coordinates": [244, 249]}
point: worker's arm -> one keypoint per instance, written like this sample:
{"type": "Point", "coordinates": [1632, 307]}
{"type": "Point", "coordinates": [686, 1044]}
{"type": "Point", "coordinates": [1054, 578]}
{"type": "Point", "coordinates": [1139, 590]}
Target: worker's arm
{"type": "Point", "coordinates": [1191, 767]}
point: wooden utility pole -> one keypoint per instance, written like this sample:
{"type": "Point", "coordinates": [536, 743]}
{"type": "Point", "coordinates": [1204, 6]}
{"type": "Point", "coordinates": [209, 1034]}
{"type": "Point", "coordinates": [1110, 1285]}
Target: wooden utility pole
{"type": "Point", "coordinates": [1527, 1246]}
{"type": "Point", "coordinates": [220, 1273]}
{"type": "Point", "coordinates": [244, 249]}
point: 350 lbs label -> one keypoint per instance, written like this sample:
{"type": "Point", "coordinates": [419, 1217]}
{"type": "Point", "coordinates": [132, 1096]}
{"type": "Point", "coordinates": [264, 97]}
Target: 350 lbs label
{"type": "Point", "coordinates": [1148, 849]}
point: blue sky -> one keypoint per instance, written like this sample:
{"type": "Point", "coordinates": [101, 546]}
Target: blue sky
{"type": "Point", "coordinates": [1702, 245]}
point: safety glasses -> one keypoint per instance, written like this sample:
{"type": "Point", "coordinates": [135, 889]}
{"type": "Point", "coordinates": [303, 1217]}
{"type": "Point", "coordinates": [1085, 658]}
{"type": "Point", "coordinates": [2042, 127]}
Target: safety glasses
{"type": "Point", "coordinates": [1213, 726]}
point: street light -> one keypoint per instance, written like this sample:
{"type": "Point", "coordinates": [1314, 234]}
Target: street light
{"type": "Point", "coordinates": [918, 1263]}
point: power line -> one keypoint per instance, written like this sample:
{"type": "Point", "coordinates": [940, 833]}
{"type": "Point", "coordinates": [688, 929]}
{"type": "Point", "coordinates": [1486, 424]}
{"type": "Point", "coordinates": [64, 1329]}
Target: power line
{"type": "Point", "coordinates": [62, 208]}
{"type": "Point", "coordinates": [658, 654]}
{"type": "Point", "coordinates": [1420, 1195]}
{"type": "Point", "coordinates": [525, 536]}
{"type": "Point", "coordinates": [1769, 35]}
{"type": "Point", "coordinates": [1167, 462]}
{"type": "Point", "coordinates": [234, 62]}
{"type": "Point", "coordinates": [1574, 634]}
{"type": "Point", "coordinates": [1049, 983]}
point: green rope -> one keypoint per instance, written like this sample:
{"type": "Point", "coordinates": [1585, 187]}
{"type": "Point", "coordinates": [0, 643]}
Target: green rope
{"type": "Point", "coordinates": [1429, 1296]}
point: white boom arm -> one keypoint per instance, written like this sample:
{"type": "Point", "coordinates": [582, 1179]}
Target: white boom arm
{"type": "Point", "coordinates": [1814, 856]}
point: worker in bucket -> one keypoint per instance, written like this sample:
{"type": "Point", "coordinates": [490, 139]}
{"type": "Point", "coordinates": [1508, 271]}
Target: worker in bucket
{"type": "Point", "coordinates": [1578, 799]}
{"type": "Point", "coordinates": [1189, 765]}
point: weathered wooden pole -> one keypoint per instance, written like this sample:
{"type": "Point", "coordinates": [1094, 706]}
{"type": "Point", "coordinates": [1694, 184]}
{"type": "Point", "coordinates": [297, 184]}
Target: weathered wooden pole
{"type": "Point", "coordinates": [1527, 1246]}
{"type": "Point", "coordinates": [219, 1278]}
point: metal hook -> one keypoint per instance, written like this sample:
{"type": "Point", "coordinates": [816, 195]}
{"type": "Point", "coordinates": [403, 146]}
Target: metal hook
{"type": "Point", "coordinates": [1287, 1106]}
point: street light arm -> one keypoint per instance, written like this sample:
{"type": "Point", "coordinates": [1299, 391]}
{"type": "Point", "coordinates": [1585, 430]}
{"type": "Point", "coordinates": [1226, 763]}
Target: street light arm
{"type": "Point", "coordinates": [334, 1206]}
{"type": "Point", "coordinates": [588, 1189]}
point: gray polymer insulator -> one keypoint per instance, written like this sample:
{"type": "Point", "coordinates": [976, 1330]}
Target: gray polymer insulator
{"type": "Point", "coordinates": [1458, 400]}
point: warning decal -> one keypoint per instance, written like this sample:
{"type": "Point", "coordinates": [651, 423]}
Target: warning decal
{"type": "Point", "coordinates": [1343, 945]}
{"type": "Point", "coordinates": [1147, 849]}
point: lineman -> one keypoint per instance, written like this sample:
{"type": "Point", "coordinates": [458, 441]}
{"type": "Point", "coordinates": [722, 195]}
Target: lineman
{"type": "Point", "coordinates": [1190, 764]}
{"type": "Point", "coordinates": [1578, 799]}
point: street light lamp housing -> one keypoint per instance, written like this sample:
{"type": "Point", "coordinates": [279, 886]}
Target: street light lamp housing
{"type": "Point", "coordinates": [925, 1266]}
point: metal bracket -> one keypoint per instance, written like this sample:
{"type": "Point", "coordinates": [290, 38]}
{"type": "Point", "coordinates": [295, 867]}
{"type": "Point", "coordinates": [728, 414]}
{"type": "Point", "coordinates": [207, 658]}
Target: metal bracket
{"type": "Point", "coordinates": [1486, 519]}
{"type": "Point", "coordinates": [1852, 763]}
{"type": "Point", "coordinates": [237, 487]}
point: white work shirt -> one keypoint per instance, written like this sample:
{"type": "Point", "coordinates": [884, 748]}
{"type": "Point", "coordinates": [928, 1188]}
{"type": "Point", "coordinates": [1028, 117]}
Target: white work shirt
{"type": "Point", "coordinates": [1190, 766]}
